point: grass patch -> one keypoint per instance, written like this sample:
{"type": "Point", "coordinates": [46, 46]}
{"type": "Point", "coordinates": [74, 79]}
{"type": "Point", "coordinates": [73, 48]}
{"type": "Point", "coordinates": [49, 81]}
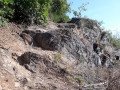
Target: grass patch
{"type": "Point", "coordinates": [70, 79]}
{"type": "Point", "coordinates": [83, 59]}
{"type": "Point", "coordinates": [3, 22]}
{"type": "Point", "coordinates": [57, 57]}
{"type": "Point", "coordinates": [80, 80]}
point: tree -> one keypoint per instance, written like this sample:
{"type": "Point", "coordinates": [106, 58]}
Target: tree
{"type": "Point", "coordinates": [80, 10]}
{"type": "Point", "coordinates": [6, 8]}
{"type": "Point", "coordinates": [59, 8]}
{"type": "Point", "coordinates": [34, 11]}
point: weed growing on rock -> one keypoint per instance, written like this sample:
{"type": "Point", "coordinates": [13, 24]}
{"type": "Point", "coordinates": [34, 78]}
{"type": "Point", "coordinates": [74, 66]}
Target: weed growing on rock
{"type": "Point", "coordinates": [57, 57]}
{"type": "Point", "coordinates": [83, 59]}
{"type": "Point", "coordinates": [70, 79]}
{"type": "Point", "coordinates": [80, 80]}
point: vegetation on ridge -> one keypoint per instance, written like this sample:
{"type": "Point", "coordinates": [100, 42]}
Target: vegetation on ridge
{"type": "Point", "coordinates": [115, 42]}
{"type": "Point", "coordinates": [34, 11]}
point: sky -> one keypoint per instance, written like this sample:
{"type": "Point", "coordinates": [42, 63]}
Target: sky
{"type": "Point", "coordinates": [107, 11]}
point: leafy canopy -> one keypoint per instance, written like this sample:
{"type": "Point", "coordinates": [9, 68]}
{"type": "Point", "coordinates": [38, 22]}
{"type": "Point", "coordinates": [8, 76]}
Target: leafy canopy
{"type": "Point", "coordinates": [34, 11]}
{"type": "Point", "coordinates": [59, 8]}
{"type": "Point", "coordinates": [80, 10]}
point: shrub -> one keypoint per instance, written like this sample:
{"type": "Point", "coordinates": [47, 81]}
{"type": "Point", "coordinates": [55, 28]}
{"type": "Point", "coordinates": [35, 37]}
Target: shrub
{"type": "Point", "coordinates": [3, 22]}
{"type": "Point", "coordinates": [58, 57]}
{"type": "Point", "coordinates": [80, 80]}
{"type": "Point", "coordinates": [70, 79]}
{"type": "Point", "coordinates": [6, 8]}
{"type": "Point", "coordinates": [80, 10]}
{"type": "Point", "coordinates": [59, 8]}
{"type": "Point", "coordinates": [115, 42]}
{"type": "Point", "coordinates": [83, 59]}
{"type": "Point", "coordinates": [34, 11]}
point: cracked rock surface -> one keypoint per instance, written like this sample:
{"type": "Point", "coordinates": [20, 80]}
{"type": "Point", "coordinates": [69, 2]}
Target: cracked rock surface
{"type": "Point", "coordinates": [76, 55]}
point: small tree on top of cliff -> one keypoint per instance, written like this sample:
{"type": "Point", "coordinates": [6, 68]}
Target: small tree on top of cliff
{"type": "Point", "coordinates": [59, 8]}
{"type": "Point", "coordinates": [80, 10]}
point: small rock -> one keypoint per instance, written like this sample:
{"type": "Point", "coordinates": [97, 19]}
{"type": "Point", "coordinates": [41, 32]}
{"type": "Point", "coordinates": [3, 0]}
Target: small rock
{"type": "Point", "coordinates": [0, 87]}
{"type": "Point", "coordinates": [26, 88]}
{"type": "Point", "coordinates": [17, 84]}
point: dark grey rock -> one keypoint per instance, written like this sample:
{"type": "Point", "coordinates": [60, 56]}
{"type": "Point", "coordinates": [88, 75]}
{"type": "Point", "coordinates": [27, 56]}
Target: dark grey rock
{"type": "Point", "coordinates": [77, 39]}
{"type": "Point", "coordinates": [39, 63]}
{"type": "Point", "coordinates": [61, 40]}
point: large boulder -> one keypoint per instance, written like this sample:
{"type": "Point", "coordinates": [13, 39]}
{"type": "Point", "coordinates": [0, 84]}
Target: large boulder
{"type": "Point", "coordinates": [81, 39]}
{"type": "Point", "coordinates": [66, 41]}
{"type": "Point", "coordinates": [39, 63]}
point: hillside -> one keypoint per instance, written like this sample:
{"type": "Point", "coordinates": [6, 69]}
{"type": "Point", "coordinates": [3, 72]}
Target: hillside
{"type": "Point", "coordinates": [76, 55]}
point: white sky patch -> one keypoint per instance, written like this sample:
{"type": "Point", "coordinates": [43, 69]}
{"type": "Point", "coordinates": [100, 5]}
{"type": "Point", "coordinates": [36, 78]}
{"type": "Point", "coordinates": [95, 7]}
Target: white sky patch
{"type": "Point", "coordinates": [115, 31]}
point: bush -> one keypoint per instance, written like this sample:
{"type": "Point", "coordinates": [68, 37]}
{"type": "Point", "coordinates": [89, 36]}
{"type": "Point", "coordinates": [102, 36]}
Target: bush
{"type": "Point", "coordinates": [80, 10]}
{"type": "Point", "coordinates": [115, 42]}
{"type": "Point", "coordinates": [58, 57]}
{"type": "Point", "coordinates": [34, 11]}
{"type": "Point", "coordinates": [80, 80]}
{"type": "Point", "coordinates": [58, 10]}
{"type": "Point", "coordinates": [69, 78]}
{"type": "Point", "coordinates": [6, 8]}
{"type": "Point", "coordinates": [3, 22]}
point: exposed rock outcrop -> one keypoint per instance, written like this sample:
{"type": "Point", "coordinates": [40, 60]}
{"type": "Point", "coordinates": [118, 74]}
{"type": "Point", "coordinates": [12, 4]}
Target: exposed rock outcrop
{"type": "Point", "coordinates": [37, 63]}
{"type": "Point", "coordinates": [87, 40]}
{"type": "Point", "coordinates": [61, 56]}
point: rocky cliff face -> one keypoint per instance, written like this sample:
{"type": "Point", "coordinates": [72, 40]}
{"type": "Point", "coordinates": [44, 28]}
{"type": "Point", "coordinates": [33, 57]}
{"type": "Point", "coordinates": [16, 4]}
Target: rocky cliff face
{"type": "Point", "coordinates": [65, 56]}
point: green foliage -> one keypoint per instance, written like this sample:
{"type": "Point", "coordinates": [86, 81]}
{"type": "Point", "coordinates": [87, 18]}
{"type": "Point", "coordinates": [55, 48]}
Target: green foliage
{"type": "Point", "coordinates": [80, 10]}
{"type": "Point", "coordinates": [80, 80]}
{"type": "Point", "coordinates": [34, 11]}
{"type": "Point", "coordinates": [3, 22]}
{"type": "Point", "coordinates": [6, 8]}
{"type": "Point", "coordinates": [83, 59]}
{"type": "Point", "coordinates": [70, 79]}
{"type": "Point", "coordinates": [58, 11]}
{"type": "Point", "coordinates": [58, 57]}
{"type": "Point", "coordinates": [115, 42]}
{"type": "Point", "coordinates": [75, 13]}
